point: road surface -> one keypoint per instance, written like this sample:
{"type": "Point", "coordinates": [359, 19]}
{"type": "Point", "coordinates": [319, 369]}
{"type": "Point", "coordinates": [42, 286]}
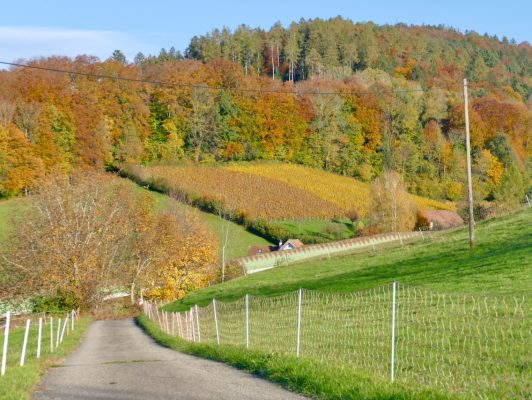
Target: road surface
{"type": "Point", "coordinates": [116, 360]}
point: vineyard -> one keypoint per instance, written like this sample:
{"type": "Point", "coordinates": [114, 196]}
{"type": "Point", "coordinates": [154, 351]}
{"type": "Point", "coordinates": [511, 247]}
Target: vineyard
{"type": "Point", "coordinates": [269, 191]}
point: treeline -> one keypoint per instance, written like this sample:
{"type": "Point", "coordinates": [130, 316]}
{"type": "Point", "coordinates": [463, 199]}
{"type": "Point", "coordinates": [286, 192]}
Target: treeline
{"type": "Point", "coordinates": [373, 119]}
{"type": "Point", "coordinates": [336, 48]}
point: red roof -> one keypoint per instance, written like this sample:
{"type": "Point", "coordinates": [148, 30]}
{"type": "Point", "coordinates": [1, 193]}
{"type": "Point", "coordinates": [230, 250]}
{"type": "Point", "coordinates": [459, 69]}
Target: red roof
{"type": "Point", "coordinates": [254, 250]}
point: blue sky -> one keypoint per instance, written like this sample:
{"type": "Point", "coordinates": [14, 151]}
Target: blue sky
{"type": "Point", "coordinates": [42, 28]}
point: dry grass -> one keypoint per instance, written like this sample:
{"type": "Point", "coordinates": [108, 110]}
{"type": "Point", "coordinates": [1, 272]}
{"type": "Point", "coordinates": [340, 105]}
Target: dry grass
{"type": "Point", "coordinates": [256, 196]}
{"type": "Point", "coordinates": [344, 192]}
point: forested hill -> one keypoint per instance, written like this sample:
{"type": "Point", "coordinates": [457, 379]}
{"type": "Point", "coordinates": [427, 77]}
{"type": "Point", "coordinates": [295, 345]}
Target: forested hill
{"type": "Point", "coordinates": [338, 47]}
{"type": "Point", "coordinates": [365, 98]}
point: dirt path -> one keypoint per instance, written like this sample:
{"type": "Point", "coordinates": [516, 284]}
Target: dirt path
{"type": "Point", "coordinates": [116, 360]}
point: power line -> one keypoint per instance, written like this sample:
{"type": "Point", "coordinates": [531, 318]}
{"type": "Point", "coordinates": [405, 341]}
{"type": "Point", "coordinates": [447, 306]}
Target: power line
{"type": "Point", "coordinates": [196, 86]}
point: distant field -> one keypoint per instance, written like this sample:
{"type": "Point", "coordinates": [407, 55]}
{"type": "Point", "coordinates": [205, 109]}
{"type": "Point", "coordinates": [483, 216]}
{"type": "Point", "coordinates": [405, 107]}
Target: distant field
{"type": "Point", "coordinates": [272, 191]}
{"type": "Point", "coordinates": [342, 191]}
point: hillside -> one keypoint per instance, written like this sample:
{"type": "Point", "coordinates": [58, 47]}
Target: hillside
{"type": "Point", "coordinates": [272, 191]}
{"type": "Point", "coordinates": [353, 99]}
{"type": "Point", "coordinates": [239, 238]}
{"type": "Point", "coordinates": [499, 264]}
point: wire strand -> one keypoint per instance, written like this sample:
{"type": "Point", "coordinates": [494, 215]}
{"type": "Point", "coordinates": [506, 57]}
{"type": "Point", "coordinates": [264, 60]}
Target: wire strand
{"type": "Point", "coordinates": [196, 86]}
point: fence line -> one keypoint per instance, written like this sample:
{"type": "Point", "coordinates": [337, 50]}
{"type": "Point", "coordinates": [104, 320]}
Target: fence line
{"type": "Point", "coordinates": [474, 346]}
{"type": "Point", "coordinates": [32, 335]}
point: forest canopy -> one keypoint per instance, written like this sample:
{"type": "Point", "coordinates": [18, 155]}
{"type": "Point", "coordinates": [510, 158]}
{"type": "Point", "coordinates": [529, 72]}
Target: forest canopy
{"type": "Point", "coordinates": [351, 98]}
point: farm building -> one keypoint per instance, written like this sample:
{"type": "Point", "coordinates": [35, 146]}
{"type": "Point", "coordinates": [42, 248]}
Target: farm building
{"type": "Point", "coordinates": [288, 245]}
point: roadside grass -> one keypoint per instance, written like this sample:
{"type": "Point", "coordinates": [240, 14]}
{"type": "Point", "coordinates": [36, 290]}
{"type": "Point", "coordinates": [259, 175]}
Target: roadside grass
{"type": "Point", "coordinates": [307, 377]}
{"type": "Point", "coordinates": [498, 264]}
{"type": "Point", "coordinates": [19, 382]}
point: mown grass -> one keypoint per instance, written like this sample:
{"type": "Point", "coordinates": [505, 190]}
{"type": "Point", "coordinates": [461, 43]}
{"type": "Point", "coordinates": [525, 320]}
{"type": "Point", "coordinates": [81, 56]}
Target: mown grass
{"type": "Point", "coordinates": [307, 377]}
{"type": "Point", "coordinates": [19, 382]}
{"type": "Point", "coordinates": [498, 264]}
{"type": "Point", "coordinates": [319, 231]}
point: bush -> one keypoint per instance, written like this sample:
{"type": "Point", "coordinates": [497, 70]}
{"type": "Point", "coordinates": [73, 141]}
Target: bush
{"type": "Point", "coordinates": [61, 302]}
{"type": "Point", "coordinates": [352, 214]}
{"type": "Point", "coordinates": [422, 222]}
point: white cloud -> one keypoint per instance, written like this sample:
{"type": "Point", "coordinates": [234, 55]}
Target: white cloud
{"type": "Point", "coordinates": [26, 42]}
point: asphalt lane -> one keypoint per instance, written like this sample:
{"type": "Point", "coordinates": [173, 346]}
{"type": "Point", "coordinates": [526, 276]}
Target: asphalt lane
{"type": "Point", "coordinates": [116, 360]}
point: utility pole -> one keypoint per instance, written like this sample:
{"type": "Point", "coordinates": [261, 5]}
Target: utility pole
{"type": "Point", "coordinates": [469, 181]}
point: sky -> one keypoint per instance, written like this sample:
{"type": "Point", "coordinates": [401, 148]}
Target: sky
{"type": "Point", "coordinates": [34, 28]}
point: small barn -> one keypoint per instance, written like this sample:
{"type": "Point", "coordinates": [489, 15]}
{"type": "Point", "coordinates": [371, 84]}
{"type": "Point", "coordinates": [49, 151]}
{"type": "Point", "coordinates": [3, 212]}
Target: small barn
{"type": "Point", "coordinates": [288, 245]}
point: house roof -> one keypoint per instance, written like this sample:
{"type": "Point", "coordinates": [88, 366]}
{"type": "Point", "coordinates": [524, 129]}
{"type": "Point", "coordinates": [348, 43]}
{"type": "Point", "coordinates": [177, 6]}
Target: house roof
{"type": "Point", "coordinates": [291, 244]}
{"type": "Point", "coordinates": [444, 218]}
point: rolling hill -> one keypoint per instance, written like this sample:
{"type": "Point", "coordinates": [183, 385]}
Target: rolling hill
{"type": "Point", "coordinates": [499, 264]}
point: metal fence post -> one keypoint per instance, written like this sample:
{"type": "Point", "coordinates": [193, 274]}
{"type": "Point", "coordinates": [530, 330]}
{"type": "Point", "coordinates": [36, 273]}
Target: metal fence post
{"type": "Point", "coordinates": [25, 343]}
{"type": "Point", "coordinates": [394, 288]}
{"type": "Point", "coordinates": [247, 321]}
{"type": "Point", "coordinates": [216, 321]}
{"type": "Point", "coordinates": [300, 296]}
{"type": "Point", "coordinates": [6, 340]}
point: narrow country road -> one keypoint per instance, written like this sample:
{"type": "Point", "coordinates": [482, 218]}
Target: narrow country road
{"type": "Point", "coordinates": [116, 360]}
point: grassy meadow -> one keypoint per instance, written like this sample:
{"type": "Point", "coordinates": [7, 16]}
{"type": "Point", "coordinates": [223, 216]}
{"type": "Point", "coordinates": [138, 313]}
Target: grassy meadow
{"type": "Point", "coordinates": [499, 264]}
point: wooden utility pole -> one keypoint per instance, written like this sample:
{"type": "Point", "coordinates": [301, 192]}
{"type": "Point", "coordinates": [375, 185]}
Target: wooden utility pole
{"type": "Point", "coordinates": [469, 181]}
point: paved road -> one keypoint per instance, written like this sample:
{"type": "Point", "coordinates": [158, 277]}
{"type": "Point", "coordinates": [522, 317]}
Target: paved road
{"type": "Point", "coordinates": [118, 361]}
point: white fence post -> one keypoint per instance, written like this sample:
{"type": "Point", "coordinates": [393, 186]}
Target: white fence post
{"type": "Point", "coordinates": [72, 314]}
{"type": "Point", "coordinates": [65, 324]}
{"type": "Point", "coordinates": [58, 332]}
{"type": "Point", "coordinates": [51, 334]}
{"type": "Point", "coordinates": [216, 321]}
{"type": "Point", "coordinates": [191, 319]}
{"type": "Point", "coordinates": [300, 296]}
{"type": "Point", "coordinates": [198, 323]}
{"type": "Point", "coordinates": [179, 325]}
{"type": "Point", "coordinates": [247, 321]}
{"type": "Point", "coordinates": [394, 288]}
{"type": "Point", "coordinates": [25, 343]}
{"type": "Point", "coordinates": [6, 340]}
{"type": "Point", "coordinates": [39, 339]}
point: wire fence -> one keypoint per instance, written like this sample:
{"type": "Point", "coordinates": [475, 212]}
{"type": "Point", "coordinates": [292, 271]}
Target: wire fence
{"type": "Point", "coordinates": [478, 347]}
{"type": "Point", "coordinates": [24, 337]}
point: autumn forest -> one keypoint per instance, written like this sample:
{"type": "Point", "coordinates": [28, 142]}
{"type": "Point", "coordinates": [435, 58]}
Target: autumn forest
{"type": "Point", "coordinates": [351, 98]}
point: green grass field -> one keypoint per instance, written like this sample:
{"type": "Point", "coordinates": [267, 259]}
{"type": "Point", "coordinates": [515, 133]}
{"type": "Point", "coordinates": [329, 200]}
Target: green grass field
{"type": "Point", "coordinates": [463, 317]}
{"type": "Point", "coordinates": [499, 264]}
{"type": "Point", "coordinates": [310, 378]}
